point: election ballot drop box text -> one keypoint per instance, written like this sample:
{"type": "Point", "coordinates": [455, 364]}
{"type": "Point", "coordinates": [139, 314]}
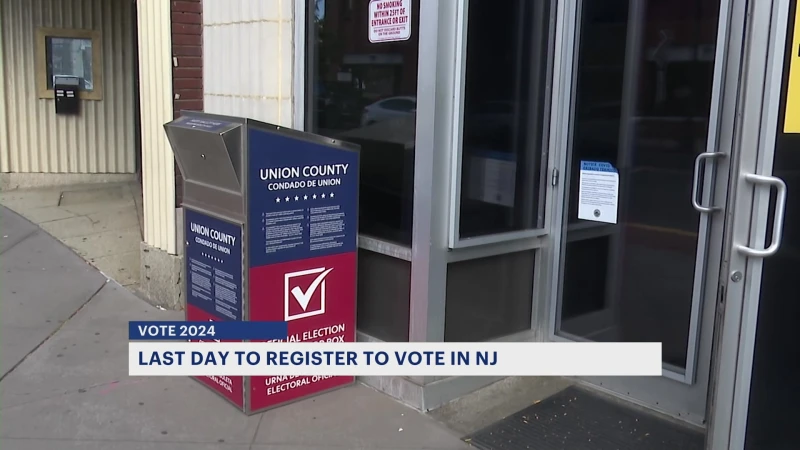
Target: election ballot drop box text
{"type": "Point", "coordinates": [270, 220]}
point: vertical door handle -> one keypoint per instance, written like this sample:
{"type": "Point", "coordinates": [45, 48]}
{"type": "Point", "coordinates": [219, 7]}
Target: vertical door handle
{"type": "Point", "coordinates": [698, 162]}
{"type": "Point", "coordinates": [777, 224]}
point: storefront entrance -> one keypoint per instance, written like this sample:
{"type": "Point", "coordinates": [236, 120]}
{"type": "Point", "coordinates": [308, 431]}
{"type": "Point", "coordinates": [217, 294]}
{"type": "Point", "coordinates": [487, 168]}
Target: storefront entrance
{"type": "Point", "coordinates": [481, 236]}
{"type": "Point", "coordinates": [655, 90]}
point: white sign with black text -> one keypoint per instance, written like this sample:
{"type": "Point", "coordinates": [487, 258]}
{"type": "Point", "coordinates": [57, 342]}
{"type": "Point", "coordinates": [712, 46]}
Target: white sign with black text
{"type": "Point", "coordinates": [598, 192]}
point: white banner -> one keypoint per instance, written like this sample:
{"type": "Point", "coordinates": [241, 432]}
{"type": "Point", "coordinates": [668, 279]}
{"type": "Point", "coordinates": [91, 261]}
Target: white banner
{"type": "Point", "coordinates": [394, 359]}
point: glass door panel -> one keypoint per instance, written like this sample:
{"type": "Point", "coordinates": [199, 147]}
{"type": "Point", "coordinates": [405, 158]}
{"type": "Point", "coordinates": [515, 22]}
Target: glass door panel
{"type": "Point", "coordinates": [645, 83]}
{"type": "Point", "coordinates": [773, 415]}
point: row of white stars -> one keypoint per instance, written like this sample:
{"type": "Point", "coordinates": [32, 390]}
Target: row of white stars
{"type": "Point", "coordinates": [305, 197]}
{"type": "Point", "coordinates": [213, 258]}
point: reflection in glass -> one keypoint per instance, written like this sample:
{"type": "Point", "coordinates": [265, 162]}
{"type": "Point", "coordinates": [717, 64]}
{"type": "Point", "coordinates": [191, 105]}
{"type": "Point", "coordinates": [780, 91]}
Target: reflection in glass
{"type": "Point", "coordinates": [384, 289]}
{"type": "Point", "coordinates": [643, 94]}
{"type": "Point", "coordinates": [69, 57]}
{"type": "Point", "coordinates": [489, 297]}
{"type": "Point", "coordinates": [504, 110]}
{"type": "Point", "coordinates": [365, 93]}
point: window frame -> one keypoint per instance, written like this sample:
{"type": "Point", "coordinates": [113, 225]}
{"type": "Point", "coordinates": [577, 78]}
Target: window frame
{"type": "Point", "coordinates": [94, 36]}
{"type": "Point", "coordinates": [548, 171]}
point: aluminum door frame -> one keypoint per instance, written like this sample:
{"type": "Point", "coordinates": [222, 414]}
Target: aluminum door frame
{"type": "Point", "coordinates": [670, 394]}
{"type": "Point", "coordinates": [747, 224]}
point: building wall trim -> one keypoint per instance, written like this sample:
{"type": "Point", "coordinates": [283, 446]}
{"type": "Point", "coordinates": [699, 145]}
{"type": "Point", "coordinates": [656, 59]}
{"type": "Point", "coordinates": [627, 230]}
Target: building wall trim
{"type": "Point", "coordinates": [156, 97]}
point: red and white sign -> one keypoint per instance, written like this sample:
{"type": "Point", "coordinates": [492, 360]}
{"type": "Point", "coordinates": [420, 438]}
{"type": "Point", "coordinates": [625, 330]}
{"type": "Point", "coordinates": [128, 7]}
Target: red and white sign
{"type": "Point", "coordinates": [231, 388]}
{"type": "Point", "coordinates": [300, 288]}
{"type": "Point", "coordinates": [316, 297]}
{"type": "Point", "coordinates": [389, 20]}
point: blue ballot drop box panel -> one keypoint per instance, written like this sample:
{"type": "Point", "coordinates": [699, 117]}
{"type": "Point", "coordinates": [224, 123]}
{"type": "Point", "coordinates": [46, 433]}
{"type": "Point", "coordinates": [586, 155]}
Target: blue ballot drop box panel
{"type": "Point", "coordinates": [213, 266]}
{"type": "Point", "coordinates": [303, 199]}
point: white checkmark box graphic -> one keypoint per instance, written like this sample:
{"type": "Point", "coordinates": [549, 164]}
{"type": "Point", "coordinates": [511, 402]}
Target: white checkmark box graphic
{"type": "Point", "coordinates": [303, 298]}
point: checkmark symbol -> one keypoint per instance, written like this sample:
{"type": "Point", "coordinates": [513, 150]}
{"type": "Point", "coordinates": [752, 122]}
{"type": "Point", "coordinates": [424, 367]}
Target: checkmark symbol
{"type": "Point", "coordinates": [304, 298]}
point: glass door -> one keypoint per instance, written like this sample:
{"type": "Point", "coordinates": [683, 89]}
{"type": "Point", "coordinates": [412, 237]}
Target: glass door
{"type": "Point", "coordinates": [649, 80]}
{"type": "Point", "coordinates": [755, 392]}
{"type": "Point", "coordinates": [772, 414]}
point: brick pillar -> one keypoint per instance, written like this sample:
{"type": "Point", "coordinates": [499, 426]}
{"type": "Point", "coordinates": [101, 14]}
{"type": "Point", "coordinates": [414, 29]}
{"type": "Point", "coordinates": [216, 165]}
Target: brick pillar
{"type": "Point", "coordinates": [187, 66]}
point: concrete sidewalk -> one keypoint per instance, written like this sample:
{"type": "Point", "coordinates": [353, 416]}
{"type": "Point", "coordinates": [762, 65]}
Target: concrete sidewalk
{"type": "Point", "coordinates": [100, 222]}
{"type": "Point", "coordinates": [64, 383]}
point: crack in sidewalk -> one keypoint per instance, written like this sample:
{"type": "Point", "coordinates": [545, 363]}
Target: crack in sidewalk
{"type": "Point", "coordinates": [50, 336]}
{"type": "Point", "coordinates": [24, 238]}
{"type": "Point", "coordinates": [255, 434]}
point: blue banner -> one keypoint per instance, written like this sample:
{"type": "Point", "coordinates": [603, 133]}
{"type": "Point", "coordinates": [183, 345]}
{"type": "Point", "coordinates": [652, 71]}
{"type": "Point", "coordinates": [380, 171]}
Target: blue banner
{"type": "Point", "coordinates": [597, 166]}
{"type": "Point", "coordinates": [213, 266]}
{"type": "Point", "coordinates": [303, 199]}
{"type": "Point", "coordinates": [206, 331]}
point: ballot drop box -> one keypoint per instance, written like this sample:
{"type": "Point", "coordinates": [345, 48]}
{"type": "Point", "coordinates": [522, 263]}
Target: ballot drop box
{"type": "Point", "coordinates": [270, 234]}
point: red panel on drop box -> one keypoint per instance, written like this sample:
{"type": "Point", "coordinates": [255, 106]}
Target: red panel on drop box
{"type": "Point", "coordinates": [315, 296]}
{"type": "Point", "coordinates": [231, 388]}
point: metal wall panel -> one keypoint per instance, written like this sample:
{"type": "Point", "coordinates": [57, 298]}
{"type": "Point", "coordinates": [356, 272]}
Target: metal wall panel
{"type": "Point", "coordinates": [248, 53]}
{"type": "Point", "coordinates": [101, 138]}
{"type": "Point", "coordinates": [158, 162]}
{"type": "Point", "coordinates": [4, 151]}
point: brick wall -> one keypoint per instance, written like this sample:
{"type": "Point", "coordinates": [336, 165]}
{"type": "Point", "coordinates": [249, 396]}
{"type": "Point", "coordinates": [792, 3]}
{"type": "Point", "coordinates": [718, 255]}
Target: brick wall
{"type": "Point", "coordinates": [187, 65]}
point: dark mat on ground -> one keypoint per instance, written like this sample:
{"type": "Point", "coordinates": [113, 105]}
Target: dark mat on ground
{"type": "Point", "coordinates": [577, 419]}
